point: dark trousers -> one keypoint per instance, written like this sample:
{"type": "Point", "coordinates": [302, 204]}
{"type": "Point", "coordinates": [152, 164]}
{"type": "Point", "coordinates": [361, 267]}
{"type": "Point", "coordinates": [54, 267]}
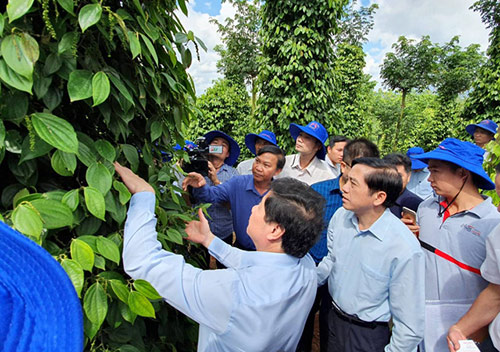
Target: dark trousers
{"type": "Point", "coordinates": [322, 304]}
{"type": "Point", "coordinates": [346, 335]}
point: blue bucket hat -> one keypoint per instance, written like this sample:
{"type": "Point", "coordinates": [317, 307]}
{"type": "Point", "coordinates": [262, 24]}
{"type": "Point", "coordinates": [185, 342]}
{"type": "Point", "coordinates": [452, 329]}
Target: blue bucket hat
{"type": "Point", "coordinates": [487, 125]}
{"type": "Point", "coordinates": [464, 154]}
{"type": "Point", "coordinates": [314, 129]}
{"type": "Point", "coordinates": [415, 164]}
{"type": "Point", "coordinates": [40, 308]}
{"type": "Point", "coordinates": [234, 148]}
{"type": "Point", "coordinates": [265, 135]}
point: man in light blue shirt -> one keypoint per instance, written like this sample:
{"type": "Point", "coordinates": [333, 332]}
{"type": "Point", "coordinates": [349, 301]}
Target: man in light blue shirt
{"type": "Point", "coordinates": [418, 183]}
{"type": "Point", "coordinates": [260, 303]}
{"type": "Point", "coordinates": [374, 266]}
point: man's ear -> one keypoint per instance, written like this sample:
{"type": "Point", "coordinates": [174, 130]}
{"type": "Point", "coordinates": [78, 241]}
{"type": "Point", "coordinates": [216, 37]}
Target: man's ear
{"type": "Point", "coordinates": [277, 172]}
{"type": "Point", "coordinates": [380, 197]}
{"type": "Point", "coordinates": [342, 167]}
{"type": "Point", "coordinates": [276, 233]}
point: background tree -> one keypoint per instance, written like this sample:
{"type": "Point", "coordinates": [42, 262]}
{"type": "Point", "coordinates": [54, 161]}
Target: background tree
{"type": "Point", "coordinates": [484, 100]}
{"type": "Point", "coordinates": [84, 84]}
{"type": "Point", "coordinates": [353, 86]}
{"type": "Point", "coordinates": [223, 107]}
{"type": "Point", "coordinates": [296, 79]}
{"type": "Point", "coordinates": [241, 47]}
{"type": "Point", "coordinates": [409, 67]}
{"type": "Point", "coordinates": [456, 69]}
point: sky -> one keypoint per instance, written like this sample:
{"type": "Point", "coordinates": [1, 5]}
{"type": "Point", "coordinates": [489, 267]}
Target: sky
{"type": "Point", "coordinates": [440, 19]}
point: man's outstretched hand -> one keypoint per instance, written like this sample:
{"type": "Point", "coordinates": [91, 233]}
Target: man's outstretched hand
{"type": "Point", "coordinates": [199, 231]}
{"type": "Point", "coordinates": [193, 179]}
{"type": "Point", "coordinates": [134, 183]}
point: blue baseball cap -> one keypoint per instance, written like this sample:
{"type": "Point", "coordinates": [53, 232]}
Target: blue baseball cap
{"type": "Point", "coordinates": [234, 148]}
{"type": "Point", "coordinates": [314, 129]}
{"type": "Point", "coordinates": [265, 135]}
{"type": "Point", "coordinates": [415, 163]}
{"type": "Point", "coordinates": [40, 308]}
{"type": "Point", "coordinates": [487, 125]}
{"type": "Point", "coordinates": [464, 154]}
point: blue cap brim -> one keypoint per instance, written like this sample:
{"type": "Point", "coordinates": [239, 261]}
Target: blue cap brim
{"type": "Point", "coordinates": [472, 127]}
{"type": "Point", "coordinates": [250, 141]}
{"type": "Point", "coordinates": [234, 148]}
{"type": "Point", "coordinates": [295, 131]}
{"type": "Point", "coordinates": [484, 180]}
{"type": "Point", "coordinates": [40, 308]}
{"type": "Point", "coordinates": [417, 164]}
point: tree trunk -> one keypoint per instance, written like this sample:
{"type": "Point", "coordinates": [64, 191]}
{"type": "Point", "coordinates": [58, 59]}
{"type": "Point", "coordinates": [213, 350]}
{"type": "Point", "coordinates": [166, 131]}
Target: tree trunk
{"type": "Point", "coordinates": [400, 118]}
{"type": "Point", "coordinates": [254, 96]}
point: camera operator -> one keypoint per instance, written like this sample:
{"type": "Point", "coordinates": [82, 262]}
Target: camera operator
{"type": "Point", "coordinates": [220, 161]}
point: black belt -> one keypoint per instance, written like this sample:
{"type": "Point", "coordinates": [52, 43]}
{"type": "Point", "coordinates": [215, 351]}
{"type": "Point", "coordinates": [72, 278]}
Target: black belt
{"type": "Point", "coordinates": [353, 319]}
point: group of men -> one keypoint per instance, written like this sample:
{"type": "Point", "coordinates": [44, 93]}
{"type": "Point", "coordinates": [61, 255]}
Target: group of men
{"type": "Point", "coordinates": [388, 250]}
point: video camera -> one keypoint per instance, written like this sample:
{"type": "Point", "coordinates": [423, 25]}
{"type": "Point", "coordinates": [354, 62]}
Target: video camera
{"type": "Point", "coordinates": [198, 161]}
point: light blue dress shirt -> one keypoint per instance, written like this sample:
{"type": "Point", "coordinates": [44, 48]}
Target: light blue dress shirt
{"type": "Point", "coordinates": [260, 303]}
{"type": "Point", "coordinates": [419, 185]}
{"type": "Point", "coordinates": [377, 273]}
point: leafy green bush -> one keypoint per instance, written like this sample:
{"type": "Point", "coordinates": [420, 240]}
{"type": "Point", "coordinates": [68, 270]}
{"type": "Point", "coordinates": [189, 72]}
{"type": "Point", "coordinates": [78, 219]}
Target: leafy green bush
{"type": "Point", "coordinates": [84, 84]}
{"type": "Point", "coordinates": [225, 107]}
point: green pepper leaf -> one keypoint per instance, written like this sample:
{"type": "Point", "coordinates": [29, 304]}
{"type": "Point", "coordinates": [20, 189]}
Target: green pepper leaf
{"type": "Point", "coordinates": [99, 177]}
{"type": "Point", "coordinates": [108, 249]}
{"type": "Point", "coordinates": [54, 213]}
{"type": "Point", "coordinates": [75, 273]}
{"type": "Point", "coordinates": [55, 131]}
{"type": "Point", "coordinates": [95, 303]}
{"type": "Point", "coordinates": [140, 305]}
{"type": "Point", "coordinates": [80, 85]}
{"type": "Point", "coordinates": [94, 201]}
{"type": "Point", "coordinates": [26, 220]}
{"type": "Point", "coordinates": [100, 88]}
{"type": "Point", "coordinates": [82, 253]}
{"type": "Point", "coordinates": [17, 8]}
{"type": "Point", "coordinates": [89, 15]}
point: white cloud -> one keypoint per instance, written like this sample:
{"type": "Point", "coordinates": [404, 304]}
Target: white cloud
{"type": "Point", "coordinates": [441, 20]}
{"type": "Point", "coordinates": [204, 72]}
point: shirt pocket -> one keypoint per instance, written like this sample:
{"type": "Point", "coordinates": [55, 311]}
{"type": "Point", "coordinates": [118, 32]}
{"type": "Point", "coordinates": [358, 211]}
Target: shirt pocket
{"type": "Point", "coordinates": [374, 286]}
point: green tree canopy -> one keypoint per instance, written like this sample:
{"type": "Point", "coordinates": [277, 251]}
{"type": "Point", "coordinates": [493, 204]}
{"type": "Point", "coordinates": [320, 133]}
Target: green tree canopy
{"type": "Point", "coordinates": [484, 100]}
{"type": "Point", "coordinates": [296, 78]}
{"type": "Point", "coordinates": [241, 47]}
{"type": "Point", "coordinates": [223, 107]}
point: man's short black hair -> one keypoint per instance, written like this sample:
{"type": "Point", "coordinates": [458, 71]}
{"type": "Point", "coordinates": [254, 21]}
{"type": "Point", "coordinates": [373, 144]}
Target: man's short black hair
{"type": "Point", "coordinates": [276, 151]}
{"type": "Point", "coordinates": [384, 177]}
{"type": "Point", "coordinates": [360, 147]}
{"type": "Point", "coordinates": [398, 159]}
{"type": "Point", "coordinates": [299, 210]}
{"type": "Point", "coordinates": [336, 139]}
{"type": "Point", "coordinates": [497, 169]}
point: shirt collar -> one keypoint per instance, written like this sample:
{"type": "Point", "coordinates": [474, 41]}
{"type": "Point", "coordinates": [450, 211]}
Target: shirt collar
{"type": "Point", "coordinates": [379, 228]}
{"type": "Point", "coordinates": [313, 165]}
{"type": "Point", "coordinates": [481, 210]}
{"type": "Point", "coordinates": [251, 187]}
